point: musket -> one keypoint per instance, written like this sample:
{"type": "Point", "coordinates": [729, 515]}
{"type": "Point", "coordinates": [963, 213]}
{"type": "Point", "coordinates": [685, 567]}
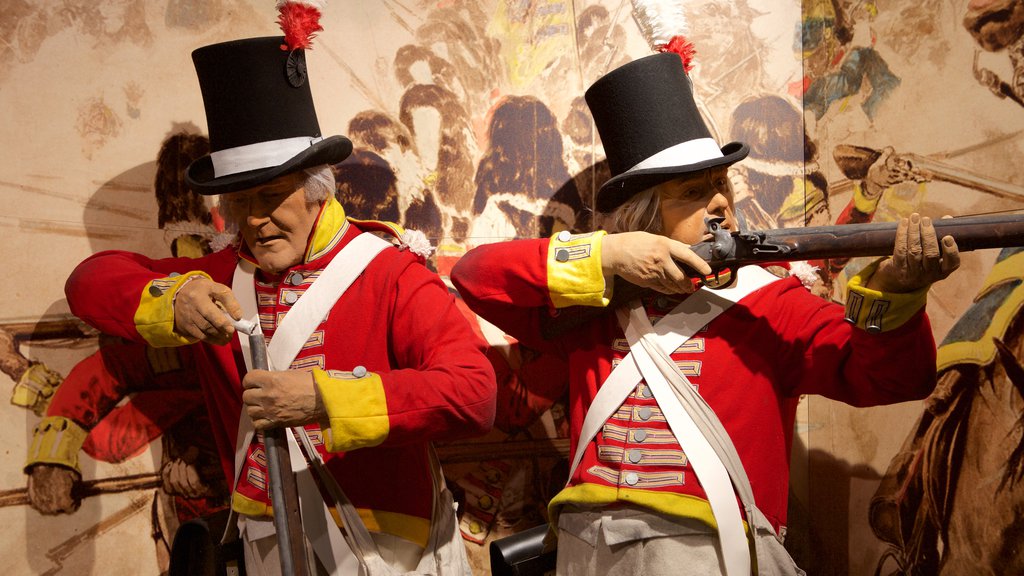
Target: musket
{"type": "Point", "coordinates": [854, 161]}
{"type": "Point", "coordinates": [88, 488]}
{"type": "Point", "coordinates": [61, 552]}
{"type": "Point", "coordinates": [729, 251]}
{"type": "Point", "coordinates": [284, 494]}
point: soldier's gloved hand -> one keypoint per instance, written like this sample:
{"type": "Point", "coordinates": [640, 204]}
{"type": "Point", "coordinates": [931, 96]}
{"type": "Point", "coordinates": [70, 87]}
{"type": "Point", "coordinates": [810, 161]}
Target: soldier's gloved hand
{"type": "Point", "coordinates": [35, 388]}
{"type": "Point", "coordinates": [888, 170]}
{"type": "Point", "coordinates": [199, 310]}
{"type": "Point", "coordinates": [918, 260]}
{"type": "Point", "coordinates": [180, 476]}
{"type": "Point", "coordinates": [51, 489]}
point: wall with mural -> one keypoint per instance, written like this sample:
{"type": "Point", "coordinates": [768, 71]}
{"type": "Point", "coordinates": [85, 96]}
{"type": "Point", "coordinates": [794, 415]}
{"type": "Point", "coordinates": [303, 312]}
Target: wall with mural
{"type": "Point", "coordinates": [469, 124]}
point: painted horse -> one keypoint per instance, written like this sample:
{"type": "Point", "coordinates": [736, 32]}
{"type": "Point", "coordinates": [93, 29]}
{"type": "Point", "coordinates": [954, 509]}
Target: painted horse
{"type": "Point", "coordinates": [952, 500]}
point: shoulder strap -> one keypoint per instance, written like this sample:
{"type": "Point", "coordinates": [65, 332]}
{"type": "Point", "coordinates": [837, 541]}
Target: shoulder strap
{"type": "Point", "coordinates": [303, 318]}
{"type": "Point", "coordinates": [308, 312]}
{"type": "Point", "coordinates": [694, 405]}
{"type": "Point", "coordinates": [672, 331]}
{"type": "Point", "coordinates": [712, 473]}
{"type": "Point", "coordinates": [315, 304]}
{"type": "Point", "coordinates": [707, 445]}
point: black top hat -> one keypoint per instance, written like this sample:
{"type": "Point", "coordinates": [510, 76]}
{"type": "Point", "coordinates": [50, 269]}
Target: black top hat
{"type": "Point", "coordinates": [651, 129]}
{"type": "Point", "coordinates": [259, 111]}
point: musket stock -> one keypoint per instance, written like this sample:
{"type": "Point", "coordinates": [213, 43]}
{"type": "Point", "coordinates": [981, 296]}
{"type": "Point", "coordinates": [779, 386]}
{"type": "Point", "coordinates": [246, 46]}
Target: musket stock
{"type": "Point", "coordinates": [89, 488]}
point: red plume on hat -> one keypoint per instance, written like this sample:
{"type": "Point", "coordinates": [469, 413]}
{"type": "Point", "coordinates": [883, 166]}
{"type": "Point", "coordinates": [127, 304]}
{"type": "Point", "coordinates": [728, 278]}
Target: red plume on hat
{"type": "Point", "coordinates": [300, 21]}
{"type": "Point", "coordinates": [663, 25]}
{"type": "Point", "coordinates": [645, 112]}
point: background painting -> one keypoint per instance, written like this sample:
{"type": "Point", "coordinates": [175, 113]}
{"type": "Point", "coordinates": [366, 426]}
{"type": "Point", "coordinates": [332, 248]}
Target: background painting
{"type": "Point", "coordinates": [469, 124]}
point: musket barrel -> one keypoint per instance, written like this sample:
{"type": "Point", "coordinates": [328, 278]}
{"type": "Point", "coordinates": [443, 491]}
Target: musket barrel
{"type": "Point", "coordinates": [284, 496]}
{"type": "Point", "coordinates": [878, 239]}
{"type": "Point", "coordinates": [981, 232]}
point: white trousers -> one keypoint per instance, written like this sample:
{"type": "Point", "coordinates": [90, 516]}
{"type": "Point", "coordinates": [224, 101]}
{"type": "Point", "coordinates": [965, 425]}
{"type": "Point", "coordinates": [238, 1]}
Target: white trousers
{"type": "Point", "coordinates": [262, 556]}
{"type": "Point", "coordinates": [630, 541]}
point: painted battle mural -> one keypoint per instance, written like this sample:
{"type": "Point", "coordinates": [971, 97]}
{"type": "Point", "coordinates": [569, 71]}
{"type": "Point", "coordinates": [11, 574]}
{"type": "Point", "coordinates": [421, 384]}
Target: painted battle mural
{"type": "Point", "coordinates": [469, 124]}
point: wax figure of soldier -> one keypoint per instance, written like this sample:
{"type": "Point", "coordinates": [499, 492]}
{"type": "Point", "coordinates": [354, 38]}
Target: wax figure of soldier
{"type": "Point", "coordinates": [646, 495]}
{"type": "Point", "coordinates": [389, 368]}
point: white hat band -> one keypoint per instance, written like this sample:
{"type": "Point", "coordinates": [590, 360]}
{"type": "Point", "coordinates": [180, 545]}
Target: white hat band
{"type": "Point", "coordinates": [682, 154]}
{"type": "Point", "coordinates": [259, 155]}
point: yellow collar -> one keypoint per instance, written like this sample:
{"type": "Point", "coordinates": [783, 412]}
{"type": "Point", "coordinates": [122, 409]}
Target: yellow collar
{"type": "Point", "coordinates": [328, 230]}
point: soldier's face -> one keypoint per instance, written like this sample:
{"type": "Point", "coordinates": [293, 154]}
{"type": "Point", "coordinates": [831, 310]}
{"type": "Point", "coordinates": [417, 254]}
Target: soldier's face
{"type": "Point", "coordinates": [276, 221]}
{"type": "Point", "coordinates": [687, 201]}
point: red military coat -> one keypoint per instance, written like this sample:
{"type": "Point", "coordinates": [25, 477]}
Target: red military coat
{"type": "Point", "coordinates": [426, 374]}
{"type": "Point", "coordinates": [750, 364]}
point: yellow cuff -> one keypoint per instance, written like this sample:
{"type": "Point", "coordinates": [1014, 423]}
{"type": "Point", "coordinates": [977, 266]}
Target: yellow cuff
{"type": "Point", "coordinates": [861, 202]}
{"type": "Point", "coordinates": [154, 318]}
{"type": "Point", "coordinates": [574, 270]}
{"type": "Point", "coordinates": [876, 311]}
{"type": "Point", "coordinates": [357, 409]}
{"type": "Point", "coordinates": [56, 440]}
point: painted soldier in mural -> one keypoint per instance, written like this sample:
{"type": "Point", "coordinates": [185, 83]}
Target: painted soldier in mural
{"type": "Point", "coordinates": [115, 402]}
{"type": "Point", "coordinates": [781, 163]}
{"type": "Point", "coordinates": [433, 114]}
{"type": "Point", "coordinates": [384, 176]}
{"type": "Point", "coordinates": [839, 62]}
{"type": "Point", "coordinates": [646, 483]}
{"type": "Point", "coordinates": [375, 375]}
{"type": "Point", "coordinates": [111, 406]}
{"type": "Point", "coordinates": [520, 174]}
{"type": "Point", "coordinates": [998, 25]}
{"type": "Point", "coordinates": [781, 185]}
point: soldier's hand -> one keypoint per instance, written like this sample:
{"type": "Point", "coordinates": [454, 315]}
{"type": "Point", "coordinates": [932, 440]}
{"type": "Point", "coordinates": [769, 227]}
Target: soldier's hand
{"type": "Point", "coordinates": [888, 170]}
{"type": "Point", "coordinates": [919, 258]}
{"type": "Point", "coordinates": [180, 476]}
{"type": "Point", "coordinates": [35, 388]}
{"type": "Point", "coordinates": [274, 399]}
{"type": "Point", "coordinates": [649, 261]}
{"type": "Point", "coordinates": [12, 362]}
{"type": "Point", "coordinates": [51, 489]}
{"type": "Point", "coordinates": [201, 310]}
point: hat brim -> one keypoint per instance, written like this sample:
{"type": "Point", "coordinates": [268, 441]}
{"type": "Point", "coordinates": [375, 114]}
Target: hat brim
{"type": "Point", "coordinates": [622, 187]}
{"type": "Point", "coordinates": [200, 176]}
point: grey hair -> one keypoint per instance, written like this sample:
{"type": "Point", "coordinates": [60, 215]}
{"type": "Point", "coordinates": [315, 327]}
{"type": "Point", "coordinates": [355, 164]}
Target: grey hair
{"type": "Point", "coordinates": [642, 212]}
{"type": "Point", "coordinates": [317, 180]}
{"type": "Point", "coordinates": [319, 183]}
